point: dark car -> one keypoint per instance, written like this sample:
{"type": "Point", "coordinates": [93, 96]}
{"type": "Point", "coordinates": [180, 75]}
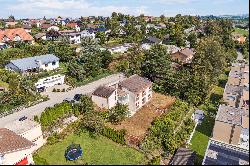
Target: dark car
{"type": "Point", "coordinates": [22, 118]}
{"type": "Point", "coordinates": [77, 97]}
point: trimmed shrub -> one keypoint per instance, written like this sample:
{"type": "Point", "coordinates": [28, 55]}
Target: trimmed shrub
{"type": "Point", "coordinates": [115, 135]}
{"type": "Point", "coordinates": [54, 90]}
{"type": "Point", "coordinates": [58, 90]}
{"type": "Point", "coordinates": [63, 90]}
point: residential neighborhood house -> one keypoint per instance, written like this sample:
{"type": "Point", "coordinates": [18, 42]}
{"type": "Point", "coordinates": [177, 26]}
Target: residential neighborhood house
{"type": "Point", "coordinates": [34, 64]}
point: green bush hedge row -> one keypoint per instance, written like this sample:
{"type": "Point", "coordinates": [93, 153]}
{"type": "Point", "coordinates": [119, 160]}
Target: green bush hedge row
{"type": "Point", "coordinates": [115, 135]}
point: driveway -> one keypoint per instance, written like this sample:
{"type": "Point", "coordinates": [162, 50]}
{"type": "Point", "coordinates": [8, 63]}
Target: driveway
{"type": "Point", "coordinates": [58, 98]}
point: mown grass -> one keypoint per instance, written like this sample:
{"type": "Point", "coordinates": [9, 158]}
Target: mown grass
{"type": "Point", "coordinates": [96, 151]}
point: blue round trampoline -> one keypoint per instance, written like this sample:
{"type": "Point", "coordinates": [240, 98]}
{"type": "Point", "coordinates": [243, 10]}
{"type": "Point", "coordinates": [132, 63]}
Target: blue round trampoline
{"type": "Point", "coordinates": [73, 152]}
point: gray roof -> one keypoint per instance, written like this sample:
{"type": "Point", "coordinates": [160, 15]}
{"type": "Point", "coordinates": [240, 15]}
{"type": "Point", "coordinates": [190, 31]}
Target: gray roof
{"type": "Point", "coordinates": [152, 39]}
{"type": "Point", "coordinates": [135, 83]}
{"type": "Point", "coordinates": [104, 91]}
{"type": "Point", "coordinates": [183, 156]}
{"type": "Point", "coordinates": [31, 62]}
{"type": "Point", "coordinates": [222, 154]}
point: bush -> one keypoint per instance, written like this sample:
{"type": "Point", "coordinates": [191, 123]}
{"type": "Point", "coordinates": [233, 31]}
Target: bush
{"type": "Point", "coordinates": [54, 90]}
{"type": "Point", "coordinates": [155, 161]}
{"type": "Point", "coordinates": [53, 139]}
{"type": "Point", "coordinates": [63, 90]}
{"type": "Point", "coordinates": [58, 90]}
{"type": "Point", "coordinates": [39, 161]}
{"type": "Point", "coordinates": [115, 135]}
{"type": "Point", "coordinates": [36, 118]}
{"type": "Point", "coordinates": [52, 114]}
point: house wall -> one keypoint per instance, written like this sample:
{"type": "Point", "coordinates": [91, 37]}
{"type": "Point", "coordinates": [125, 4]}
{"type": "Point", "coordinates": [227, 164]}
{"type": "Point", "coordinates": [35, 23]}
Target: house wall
{"type": "Point", "coordinates": [15, 157]}
{"type": "Point", "coordinates": [76, 39]}
{"type": "Point", "coordinates": [106, 102]}
{"type": "Point", "coordinates": [178, 56]}
{"type": "Point", "coordinates": [55, 28]}
{"type": "Point", "coordinates": [49, 82]}
{"type": "Point", "coordinates": [34, 135]}
{"type": "Point", "coordinates": [136, 103]}
{"type": "Point", "coordinates": [50, 66]}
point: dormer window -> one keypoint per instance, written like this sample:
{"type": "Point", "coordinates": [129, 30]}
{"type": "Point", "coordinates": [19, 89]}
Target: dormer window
{"type": "Point", "coordinates": [54, 63]}
{"type": "Point", "coordinates": [46, 65]}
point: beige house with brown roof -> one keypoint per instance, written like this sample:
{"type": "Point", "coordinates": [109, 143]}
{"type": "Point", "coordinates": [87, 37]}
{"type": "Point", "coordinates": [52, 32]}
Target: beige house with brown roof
{"type": "Point", "coordinates": [14, 149]}
{"type": "Point", "coordinates": [139, 90]}
{"type": "Point", "coordinates": [184, 55]}
{"type": "Point", "coordinates": [134, 91]}
{"type": "Point", "coordinates": [105, 97]}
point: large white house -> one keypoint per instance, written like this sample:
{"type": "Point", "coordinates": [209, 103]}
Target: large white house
{"type": "Point", "coordinates": [74, 37]}
{"type": "Point", "coordinates": [34, 64]}
{"type": "Point", "coordinates": [120, 48]}
{"type": "Point", "coordinates": [50, 81]}
{"type": "Point", "coordinates": [28, 129]}
{"type": "Point", "coordinates": [15, 149]}
{"type": "Point", "coordinates": [134, 91]}
{"type": "Point", "coordinates": [139, 90]}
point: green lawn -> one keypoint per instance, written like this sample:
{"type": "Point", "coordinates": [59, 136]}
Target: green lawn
{"type": "Point", "coordinates": [204, 130]}
{"type": "Point", "coordinates": [241, 31]}
{"type": "Point", "coordinates": [99, 150]}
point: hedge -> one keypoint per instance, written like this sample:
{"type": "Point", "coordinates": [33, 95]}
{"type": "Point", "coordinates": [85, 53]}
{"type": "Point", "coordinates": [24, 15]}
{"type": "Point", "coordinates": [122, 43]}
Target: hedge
{"type": "Point", "coordinates": [115, 135]}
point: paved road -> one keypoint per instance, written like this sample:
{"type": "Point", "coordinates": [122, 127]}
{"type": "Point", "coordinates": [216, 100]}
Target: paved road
{"type": "Point", "coordinates": [58, 98]}
{"type": "Point", "coordinates": [240, 56]}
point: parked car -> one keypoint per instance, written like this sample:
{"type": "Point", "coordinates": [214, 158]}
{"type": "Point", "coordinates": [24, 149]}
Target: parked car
{"type": "Point", "coordinates": [77, 97]}
{"type": "Point", "coordinates": [23, 118]}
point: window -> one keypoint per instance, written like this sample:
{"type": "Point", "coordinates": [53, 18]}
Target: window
{"type": "Point", "coordinates": [149, 96]}
{"type": "Point", "coordinates": [46, 65]}
{"type": "Point", "coordinates": [137, 97]}
{"type": "Point", "coordinates": [137, 105]}
{"type": "Point", "coordinates": [143, 93]}
{"type": "Point", "coordinates": [144, 100]}
{"type": "Point", "coordinates": [150, 88]}
{"type": "Point", "coordinates": [53, 63]}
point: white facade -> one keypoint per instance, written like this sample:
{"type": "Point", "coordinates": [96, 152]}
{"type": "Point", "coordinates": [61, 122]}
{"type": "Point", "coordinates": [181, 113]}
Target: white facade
{"type": "Point", "coordinates": [137, 100]}
{"type": "Point", "coordinates": [30, 130]}
{"type": "Point", "coordinates": [146, 46]}
{"type": "Point", "coordinates": [49, 66]}
{"type": "Point", "coordinates": [120, 49]}
{"type": "Point", "coordinates": [87, 34]}
{"type": "Point", "coordinates": [55, 28]}
{"type": "Point", "coordinates": [15, 157]}
{"type": "Point", "coordinates": [50, 81]}
{"type": "Point", "coordinates": [75, 38]}
{"type": "Point", "coordinates": [104, 102]}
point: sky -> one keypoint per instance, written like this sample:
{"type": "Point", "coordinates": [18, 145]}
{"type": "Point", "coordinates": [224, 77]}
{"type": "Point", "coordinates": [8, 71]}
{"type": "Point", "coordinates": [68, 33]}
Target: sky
{"type": "Point", "coordinates": [77, 8]}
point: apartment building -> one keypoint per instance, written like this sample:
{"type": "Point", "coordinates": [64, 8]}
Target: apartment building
{"type": "Point", "coordinates": [134, 91]}
{"type": "Point", "coordinates": [229, 143]}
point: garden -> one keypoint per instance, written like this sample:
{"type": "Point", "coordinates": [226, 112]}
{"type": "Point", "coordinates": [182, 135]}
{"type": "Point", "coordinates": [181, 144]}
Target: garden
{"type": "Point", "coordinates": [96, 150]}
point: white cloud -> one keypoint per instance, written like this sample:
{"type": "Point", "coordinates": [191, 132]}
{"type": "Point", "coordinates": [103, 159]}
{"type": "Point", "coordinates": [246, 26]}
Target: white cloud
{"type": "Point", "coordinates": [69, 8]}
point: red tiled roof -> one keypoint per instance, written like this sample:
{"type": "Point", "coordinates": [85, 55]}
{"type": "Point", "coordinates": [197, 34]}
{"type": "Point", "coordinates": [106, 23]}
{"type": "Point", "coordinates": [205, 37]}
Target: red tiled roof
{"type": "Point", "coordinates": [11, 33]}
{"type": "Point", "coordinates": [45, 26]}
{"type": "Point", "coordinates": [11, 142]}
{"type": "Point", "coordinates": [71, 25]}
